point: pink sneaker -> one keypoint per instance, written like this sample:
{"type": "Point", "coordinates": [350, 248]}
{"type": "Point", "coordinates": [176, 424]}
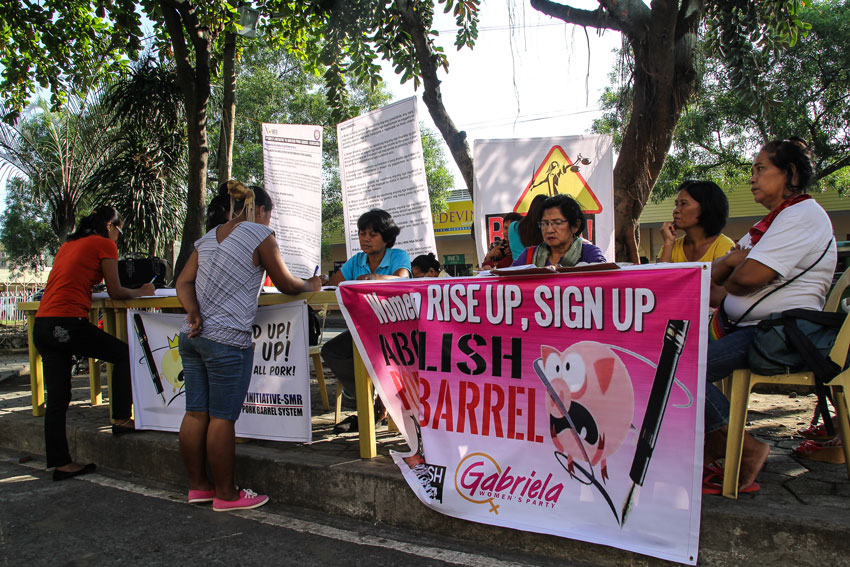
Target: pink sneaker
{"type": "Point", "coordinates": [201, 496]}
{"type": "Point", "coordinates": [247, 500]}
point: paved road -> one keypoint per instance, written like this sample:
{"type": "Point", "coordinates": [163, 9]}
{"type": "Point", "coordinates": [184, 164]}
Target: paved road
{"type": "Point", "coordinates": [107, 518]}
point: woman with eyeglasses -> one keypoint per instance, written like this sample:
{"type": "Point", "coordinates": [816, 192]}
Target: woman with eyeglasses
{"type": "Point", "coordinates": [62, 329]}
{"type": "Point", "coordinates": [561, 224]}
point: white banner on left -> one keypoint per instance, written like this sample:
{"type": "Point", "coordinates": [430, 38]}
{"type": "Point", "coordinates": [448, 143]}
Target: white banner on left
{"type": "Point", "coordinates": [277, 405]}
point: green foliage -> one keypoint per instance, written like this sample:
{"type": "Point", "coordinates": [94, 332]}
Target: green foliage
{"type": "Point", "coordinates": [145, 176]}
{"type": "Point", "coordinates": [747, 36]}
{"type": "Point", "coordinates": [24, 230]}
{"type": "Point", "coordinates": [56, 152]}
{"type": "Point", "coordinates": [803, 92]}
{"type": "Point", "coordinates": [62, 46]}
{"type": "Point", "coordinates": [358, 32]}
{"type": "Point", "coordinates": [125, 146]}
{"type": "Point", "coordinates": [788, 88]}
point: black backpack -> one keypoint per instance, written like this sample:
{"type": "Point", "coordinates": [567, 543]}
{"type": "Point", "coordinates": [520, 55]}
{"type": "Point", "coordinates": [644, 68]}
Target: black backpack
{"type": "Point", "coordinates": [799, 339]}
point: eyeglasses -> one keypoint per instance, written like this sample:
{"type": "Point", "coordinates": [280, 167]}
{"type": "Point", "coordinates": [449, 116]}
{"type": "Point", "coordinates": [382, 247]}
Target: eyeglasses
{"type": "Point", "coordinates": [556, 224]}
{"type": "Point", "coordinates": [118, 228]}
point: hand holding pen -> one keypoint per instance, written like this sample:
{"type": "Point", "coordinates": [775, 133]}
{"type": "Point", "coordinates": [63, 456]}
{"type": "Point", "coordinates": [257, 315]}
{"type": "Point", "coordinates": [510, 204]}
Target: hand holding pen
{"type": "Point", "coordinates": [322, 279]}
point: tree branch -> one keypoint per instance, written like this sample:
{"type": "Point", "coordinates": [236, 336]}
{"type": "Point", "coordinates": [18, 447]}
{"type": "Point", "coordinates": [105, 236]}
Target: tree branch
{"type": "Point", "coordinates": [601, 18]}
{"type": "Point", "coordinates": [412, 23]}
{"type": "Point", "coordinates": [178, 41]}
{"type": "Point", "coordinates": [834, 166]}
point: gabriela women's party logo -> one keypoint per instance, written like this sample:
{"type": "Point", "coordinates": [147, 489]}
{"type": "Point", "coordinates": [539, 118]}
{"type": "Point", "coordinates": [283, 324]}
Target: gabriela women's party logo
{"type": "Point", "coordinates": [480, 480]}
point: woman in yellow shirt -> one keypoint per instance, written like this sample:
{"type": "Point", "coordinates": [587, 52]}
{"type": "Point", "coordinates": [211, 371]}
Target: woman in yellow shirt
{"type": "Point", "coordinates": [701, 211]}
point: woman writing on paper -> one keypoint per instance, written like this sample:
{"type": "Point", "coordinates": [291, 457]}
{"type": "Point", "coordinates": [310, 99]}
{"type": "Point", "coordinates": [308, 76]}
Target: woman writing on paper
{"type": "Point", "coordinates": [218, 288]}
{"type": "Point", "coordinates": [793, 241]}
{"type": "Point", "coordinates": [378, 260]}
{"type": "Point", "coordinates": [62, 329]}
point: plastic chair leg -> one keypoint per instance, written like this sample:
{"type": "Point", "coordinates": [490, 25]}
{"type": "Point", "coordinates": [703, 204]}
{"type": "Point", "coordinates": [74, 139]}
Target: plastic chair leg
{"type": "Point", "coordinates": [320, 378]}
{"type": "Point", "coordinates": [840, 399]}
{"type": "Point", "coordinates": [726, 387]}
{"type": "Point", "coordinates": [735, 434]}
{"type": "Point", "coordinates": [338, 409]}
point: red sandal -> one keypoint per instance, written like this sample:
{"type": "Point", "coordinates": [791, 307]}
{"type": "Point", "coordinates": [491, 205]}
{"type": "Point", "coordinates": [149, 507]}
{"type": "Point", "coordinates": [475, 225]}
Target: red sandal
{"type": "Point", "coordinates": [817, 432]}
{"type": "Point", "coordinates": [824, 452]}
{"type": "Point", "coordinates": [712, 480]}
{"type": "Point", "coordinates": [714, 485]}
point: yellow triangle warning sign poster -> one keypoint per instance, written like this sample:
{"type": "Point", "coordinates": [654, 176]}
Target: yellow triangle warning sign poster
{"type": "Point", "coordinates": [558, 174]}
{"type": "Point", "coordinates": [510, 173]}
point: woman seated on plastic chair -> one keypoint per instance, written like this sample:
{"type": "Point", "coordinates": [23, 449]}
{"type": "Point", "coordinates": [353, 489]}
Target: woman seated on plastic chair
{"type": "Point", "coordinates": [795, 238]}
{"type": "Point", "coordinates": [377, 261]}
{"type": "Point", "coordinates": [700, 213]}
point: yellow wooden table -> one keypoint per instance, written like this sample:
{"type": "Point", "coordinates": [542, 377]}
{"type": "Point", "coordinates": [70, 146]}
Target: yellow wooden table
{"type": "Point", "coordinates": [115, 323]}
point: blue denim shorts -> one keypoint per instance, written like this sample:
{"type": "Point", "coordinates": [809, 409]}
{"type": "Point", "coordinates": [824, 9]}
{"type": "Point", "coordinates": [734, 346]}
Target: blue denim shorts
{"type": "Point", "coordinates": [216, 376]}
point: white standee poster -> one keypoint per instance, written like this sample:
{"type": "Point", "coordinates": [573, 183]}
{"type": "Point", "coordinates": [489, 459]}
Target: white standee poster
{"type": "Point", "coordinates": [292, 168]}
{"type": "Point", "coordinates": [382, 166]}
{"type": "Point", "coordinates": [277, 405]}
{"type": "Point", "coordinates": [509, 174]}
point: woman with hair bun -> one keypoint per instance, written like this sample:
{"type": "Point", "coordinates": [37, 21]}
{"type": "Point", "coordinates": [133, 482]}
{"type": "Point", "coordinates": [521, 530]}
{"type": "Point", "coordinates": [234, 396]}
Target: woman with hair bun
{"type": "Point", "coordinates": [62, 329]}
{"type": "Point", "coordinates": [701, 212]}
{"type": "Point", "coordinates": [793, 242]}
{"type": "Point", "coordinates": [218, 288]}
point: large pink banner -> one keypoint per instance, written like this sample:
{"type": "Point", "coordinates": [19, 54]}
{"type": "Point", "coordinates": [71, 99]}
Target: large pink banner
{"type": "Point", "coordinates": [567, 404]}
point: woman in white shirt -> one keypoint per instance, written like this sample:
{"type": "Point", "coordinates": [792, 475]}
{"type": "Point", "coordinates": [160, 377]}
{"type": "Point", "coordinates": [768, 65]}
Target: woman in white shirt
{"type": "Point", "coordinates": [794, 238]}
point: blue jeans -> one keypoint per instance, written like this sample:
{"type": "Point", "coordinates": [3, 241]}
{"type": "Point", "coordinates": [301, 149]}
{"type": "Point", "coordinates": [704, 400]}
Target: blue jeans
{"type": "Point", "coordinates": [216, 375]}
{"type": "Point", "coordinates": [724, 355]}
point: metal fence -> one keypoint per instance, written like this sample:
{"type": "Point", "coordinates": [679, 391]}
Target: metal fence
{"type": "Point", "coordinates": [9, 299]}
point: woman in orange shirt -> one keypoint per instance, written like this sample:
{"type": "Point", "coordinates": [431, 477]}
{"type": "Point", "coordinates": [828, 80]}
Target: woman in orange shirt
{"type": "Point", "coordinates": [62, 329]}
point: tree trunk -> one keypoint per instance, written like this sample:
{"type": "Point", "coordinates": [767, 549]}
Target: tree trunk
{"type": "Point", "coordinates": [228, 109]}
{"type": "Point", "coordinates": [664, 79]}
{"type": "Point", "coordinates": [63, 219]}
{"type": "Point", "coordinates": [455, 139]}
{"type": "Point", "coordinates": [194, 81]}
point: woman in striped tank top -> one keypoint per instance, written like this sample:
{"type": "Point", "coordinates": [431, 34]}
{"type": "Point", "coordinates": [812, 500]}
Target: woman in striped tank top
{"type": "Point", "coordinates": [219, 288]}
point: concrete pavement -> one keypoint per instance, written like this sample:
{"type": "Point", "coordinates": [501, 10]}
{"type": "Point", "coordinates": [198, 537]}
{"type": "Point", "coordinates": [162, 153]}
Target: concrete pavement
{"type": "Point", "coordinates": [800, 517]}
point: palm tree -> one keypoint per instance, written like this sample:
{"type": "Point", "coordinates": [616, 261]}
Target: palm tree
{"type": "Point", "coordinates": [145, 177]}
{"type": "Point", "coordinates": [56, 152]}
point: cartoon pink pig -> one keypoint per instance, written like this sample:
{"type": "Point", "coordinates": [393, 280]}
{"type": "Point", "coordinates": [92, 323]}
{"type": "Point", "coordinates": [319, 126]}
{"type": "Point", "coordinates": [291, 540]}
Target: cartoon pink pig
{"type": "Point", "coordinates": [596, 390]}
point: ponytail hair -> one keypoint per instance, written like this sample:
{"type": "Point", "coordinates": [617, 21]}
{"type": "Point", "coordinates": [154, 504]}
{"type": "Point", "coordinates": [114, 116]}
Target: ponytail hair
{"type": "Point", "coordinates": [241, 198]}
{"type": "Point", "coordinates": [219, 208]}
{"type": "Point", "coordinates": [246, 199]}
{"type": "Point", "coordinates": [96, 223]}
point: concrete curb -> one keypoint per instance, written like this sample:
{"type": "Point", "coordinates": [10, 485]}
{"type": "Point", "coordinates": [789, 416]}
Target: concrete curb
{"type": "Point", "coordinates": [756, 532]}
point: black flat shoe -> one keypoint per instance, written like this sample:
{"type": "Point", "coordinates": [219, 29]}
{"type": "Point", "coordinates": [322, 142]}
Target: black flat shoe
{"type": "Point", "coordinates": [347, 425]}
{"type": "Point", "coordinates": [64, 475]}
{"type": "Point", "coordinates": [120, 429]}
